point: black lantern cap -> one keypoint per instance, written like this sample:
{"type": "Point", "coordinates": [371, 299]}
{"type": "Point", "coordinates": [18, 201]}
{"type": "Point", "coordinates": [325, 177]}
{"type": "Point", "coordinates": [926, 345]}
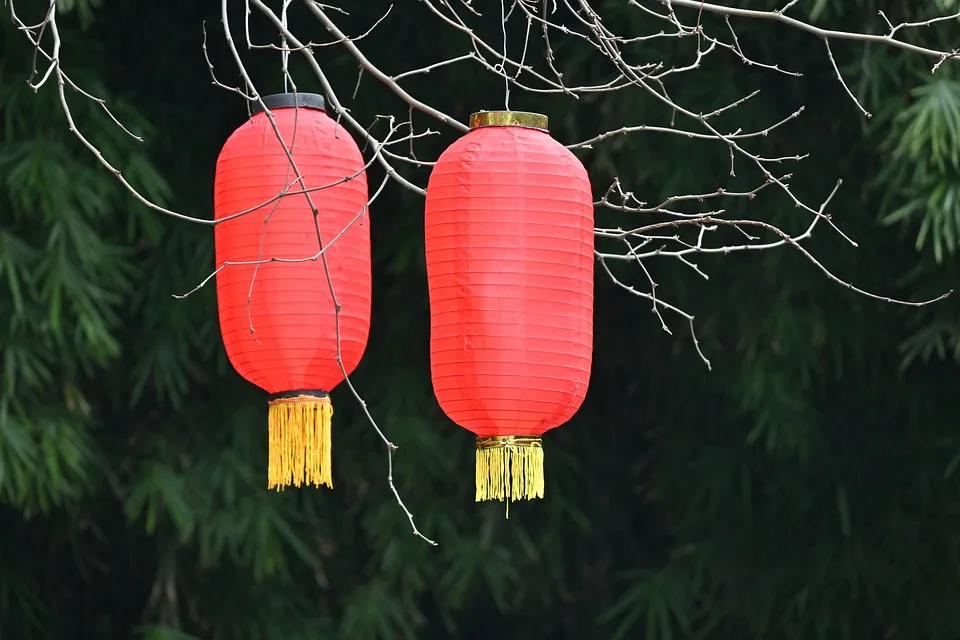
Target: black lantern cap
{"type": "Point", "coordinates": [287, 100]}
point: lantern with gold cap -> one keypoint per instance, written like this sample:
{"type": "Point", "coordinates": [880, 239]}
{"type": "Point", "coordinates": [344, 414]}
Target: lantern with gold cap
{"type": "Point", "coordinates": [278, 316]}
{"type": "Point", "coordinates": [510, 262]}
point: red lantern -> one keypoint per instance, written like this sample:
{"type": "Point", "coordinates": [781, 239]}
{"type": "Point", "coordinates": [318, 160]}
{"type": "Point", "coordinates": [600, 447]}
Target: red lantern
{"type": "Point", "coordinates": [509, 250]}
{"type": "Point", "coordinates": [277, 316]}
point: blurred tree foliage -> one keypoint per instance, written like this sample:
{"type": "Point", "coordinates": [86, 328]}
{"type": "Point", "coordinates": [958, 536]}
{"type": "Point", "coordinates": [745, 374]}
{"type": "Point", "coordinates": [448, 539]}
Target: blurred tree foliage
{"type": "Point", "coordinates": [805, 489]}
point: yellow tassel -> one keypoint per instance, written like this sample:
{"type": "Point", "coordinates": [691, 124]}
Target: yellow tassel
{"type": "Point", "coordinates": [509, 468]}
{"type": "Point", "coordinates": [300, 442]}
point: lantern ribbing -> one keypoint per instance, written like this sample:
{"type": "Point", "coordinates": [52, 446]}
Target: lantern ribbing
{"type": "Point", "coordinates": [278, 318]}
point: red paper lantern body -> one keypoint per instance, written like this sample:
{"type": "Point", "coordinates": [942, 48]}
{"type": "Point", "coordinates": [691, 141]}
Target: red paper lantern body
{"type": "Point", "coordinates": [510, 253]}
{"type": "Point", "coordinates": [277, 318]}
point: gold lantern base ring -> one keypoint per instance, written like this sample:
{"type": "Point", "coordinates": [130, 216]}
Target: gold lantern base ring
{"type": "Point", "coordinates": [509, 468]}
{"type": "Point", "coordinates": [300, 440]}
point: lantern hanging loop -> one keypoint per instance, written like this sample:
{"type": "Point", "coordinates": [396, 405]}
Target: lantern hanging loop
{"type": "Point", "coordinates": [503, 63]}
{"type": "Point", "coordinates": [285, 48]}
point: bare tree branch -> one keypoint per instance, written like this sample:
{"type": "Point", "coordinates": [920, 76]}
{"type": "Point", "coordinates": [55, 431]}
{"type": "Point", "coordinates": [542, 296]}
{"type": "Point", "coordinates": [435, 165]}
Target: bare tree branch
{"type": "Point", "coordinates": [826, 34]}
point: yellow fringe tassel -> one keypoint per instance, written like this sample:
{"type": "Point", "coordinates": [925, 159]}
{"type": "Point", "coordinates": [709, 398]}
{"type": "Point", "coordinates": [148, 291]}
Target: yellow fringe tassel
{"type": "Point", "coordinates": [509, 468]}
{"type": "Point", "coordinates": [300, 442]}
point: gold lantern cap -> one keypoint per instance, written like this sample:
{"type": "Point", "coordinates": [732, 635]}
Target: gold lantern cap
{"type": "Point", "coordinates": [524, 119]}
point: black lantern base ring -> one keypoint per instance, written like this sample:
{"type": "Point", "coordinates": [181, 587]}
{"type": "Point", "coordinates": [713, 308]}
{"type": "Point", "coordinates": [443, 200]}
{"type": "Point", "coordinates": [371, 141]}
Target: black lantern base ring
{"type": "Point", "coordinates": [287, 395]}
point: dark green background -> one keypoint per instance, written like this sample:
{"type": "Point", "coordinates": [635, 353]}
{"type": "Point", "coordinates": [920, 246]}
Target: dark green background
{"type": "Point", "coordinates": [805, 488]}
